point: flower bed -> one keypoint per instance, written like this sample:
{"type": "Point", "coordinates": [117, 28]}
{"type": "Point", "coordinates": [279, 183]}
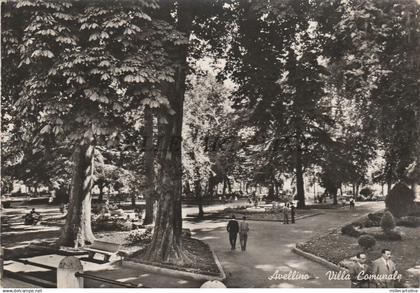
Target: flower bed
{"type": "Point", "coordinates": [405, 253]}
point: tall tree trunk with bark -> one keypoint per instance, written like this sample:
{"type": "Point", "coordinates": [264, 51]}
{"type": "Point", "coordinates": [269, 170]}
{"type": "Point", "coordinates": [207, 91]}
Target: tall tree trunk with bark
{"type": "Point", "coordinates": [77, 231]}
{"type": "Point", "coordinates": [276, 188]}
{"type": "Point", "coordinates": [299, 179]}
{"type": "Point", "coordinates": [166, 244]}
{"type": "Point", "coordinates": [229, 185]}
{"type": "Point", "coordinates": [334, 193]}
{"type": "Point", "coordinates": [149, 167]}
{"type": "Point", "coordinates": [133, 200]}
{"type": "Point", "coordinates": [199, 196]}
{"type": "Point", "coordinates": [101, 192]}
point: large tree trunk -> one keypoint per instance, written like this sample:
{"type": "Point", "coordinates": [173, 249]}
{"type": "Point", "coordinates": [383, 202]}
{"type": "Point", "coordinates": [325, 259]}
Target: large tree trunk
{"type": "Point", "coordinates": [77, 231]}
{"type": "Point", "coordinates": [229, 185]}
{"type": "Point", "coordinates": [133, 200]}
{"type": "Point", "coordinates": [149, 167]}
{"type": "Point", "coordinates": [276, 188]}
{"type": "Point", "coordinates": [211, 187]}
{"type": "Point", "coordinates": [334, 193]}
{"type": "Point", "coordinates": [299, 180]}
{"type": "Point", "coordinates": [166, 244]}
{"type": "Point", "coordinates": [36, 189]}
{"type": "Point", "coordinates": [101, 192]}
{"type": "Point", "coordinates": [199, 197]}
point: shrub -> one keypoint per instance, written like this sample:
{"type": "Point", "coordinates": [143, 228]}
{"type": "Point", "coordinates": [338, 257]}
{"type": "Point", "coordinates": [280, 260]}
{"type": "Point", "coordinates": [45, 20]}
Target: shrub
{"type": "Point", "coordinates": [366, 242]}
{"type": "Point", "coordinates": [390, 235]}
{"type": "Point", "coordinates": [366, 192]}
{"type": "Point", "coordinates": [139, 236]}
{"type": "Point", "coordinates": [374, 220]}
{"type": "Point", "coordinates": [111, 224]}
{"type": "Point", "coordinates": [387, 222]}
{"type": "Point", "coordinates": [350, 231]}
{"type": "Point", "coordinates": [229, 210]}
{"type": "Point", "coordinates": [409, 221]}
{"type": "Point", "coordinates": [400, 200]}
{"type": "Point", "coordinates": [6, 204]}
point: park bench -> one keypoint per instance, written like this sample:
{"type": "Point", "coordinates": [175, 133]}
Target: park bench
{"type": "Point", "coordinates": [107, 249]}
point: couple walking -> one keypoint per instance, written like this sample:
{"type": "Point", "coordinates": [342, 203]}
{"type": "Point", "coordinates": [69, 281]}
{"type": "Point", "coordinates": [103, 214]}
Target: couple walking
{"type": "Point", "coordinates": [234, 228]}
{"type": "Point", "coordinates": [289, 208]}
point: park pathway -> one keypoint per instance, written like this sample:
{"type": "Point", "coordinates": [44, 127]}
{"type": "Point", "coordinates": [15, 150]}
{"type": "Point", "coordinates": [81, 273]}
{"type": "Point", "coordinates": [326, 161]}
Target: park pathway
{"type": "Point", "coordinates": [269, 248]}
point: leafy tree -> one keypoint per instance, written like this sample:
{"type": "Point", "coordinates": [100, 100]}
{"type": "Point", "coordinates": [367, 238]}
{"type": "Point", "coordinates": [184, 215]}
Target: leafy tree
{"type": "Point", "coordinates": [377, 39]}
{"type": "Point", "coordinates": [205, 134]}
{"type": "Point", "coordinates": [275, 61]}
{"type": "Point", "coordinates": [81, 81]}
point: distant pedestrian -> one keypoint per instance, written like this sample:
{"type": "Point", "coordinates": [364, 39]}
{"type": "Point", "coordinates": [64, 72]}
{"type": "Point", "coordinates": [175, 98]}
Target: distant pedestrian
{"type": "Point", "coordinates": [352, 206]}
{"type": "Point", "coordinates": [286, 214]}
{"type": "Point", "coordinates": [233, 229]}
{"type": "Point", "coordinates": [243, 233]}
{"type": "Point", "coordinates": [292, 212]}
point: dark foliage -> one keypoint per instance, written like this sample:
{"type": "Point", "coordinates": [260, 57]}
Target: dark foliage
{"type": "Point", "coordinates": [366, 241]}
{"type": "Point", "coordinates": [400, 200]}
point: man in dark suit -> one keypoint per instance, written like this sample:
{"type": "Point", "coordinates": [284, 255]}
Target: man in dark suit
{"type": "Point", "coordinates": [233, 229]}
{"type": "Point", "coordinates": [358, 271]}
{"type": "Point", "coordinates": [386, 267]}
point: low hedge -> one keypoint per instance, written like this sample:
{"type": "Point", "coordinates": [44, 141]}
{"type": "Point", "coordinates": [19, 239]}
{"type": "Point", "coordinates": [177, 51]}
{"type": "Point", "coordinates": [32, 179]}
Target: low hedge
{"type": "Point", "coordinates": [390, 235]}
{"type": "Point", "coordinates": [409, 221]}
{"type": "Point", "coordinates": [350, 230]}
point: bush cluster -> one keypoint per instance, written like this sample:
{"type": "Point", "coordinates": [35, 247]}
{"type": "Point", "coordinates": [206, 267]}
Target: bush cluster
{"type": "Point", "coordinates": [400, 200]}
{"type": "Point", "coordinates": [409, 221]}
{"type": "Point", "coordinates": [366, 242]}
{"type": "Point", "coordinates": [387, 222]}
{"type": "Point", "coordinates": [139, 236]}
{"type": "Point", "coordinates": [111, 224]}
{"type": "Point", "coordinates": [350, 230]}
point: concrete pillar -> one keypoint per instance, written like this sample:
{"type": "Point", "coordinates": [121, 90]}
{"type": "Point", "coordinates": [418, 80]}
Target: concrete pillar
{"type": "Point", "coordinates": [66, 271]}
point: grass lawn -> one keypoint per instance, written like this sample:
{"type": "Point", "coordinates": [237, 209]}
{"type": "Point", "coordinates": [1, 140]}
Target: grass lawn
{"type": "Point", "coordinates": [336, 247]}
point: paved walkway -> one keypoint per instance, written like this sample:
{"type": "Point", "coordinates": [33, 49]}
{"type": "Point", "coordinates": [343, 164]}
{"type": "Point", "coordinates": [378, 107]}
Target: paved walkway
{"type": "Point", "coordinates": [269, 249]}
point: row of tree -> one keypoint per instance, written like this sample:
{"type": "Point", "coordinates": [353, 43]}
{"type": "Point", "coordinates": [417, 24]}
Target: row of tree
{"type": "Point", "coordinates": [116, 91]}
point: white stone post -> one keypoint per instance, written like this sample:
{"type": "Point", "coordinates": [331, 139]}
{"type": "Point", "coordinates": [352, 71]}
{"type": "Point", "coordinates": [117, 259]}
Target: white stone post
{"type": "Point", "coordinates": [66, 271]}
{"type": "Point", "coordinates": [213, 284]}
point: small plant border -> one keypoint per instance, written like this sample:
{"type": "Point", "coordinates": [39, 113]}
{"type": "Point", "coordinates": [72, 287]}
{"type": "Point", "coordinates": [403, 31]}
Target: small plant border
{"type": "Point", "coordinates": [174, 271]}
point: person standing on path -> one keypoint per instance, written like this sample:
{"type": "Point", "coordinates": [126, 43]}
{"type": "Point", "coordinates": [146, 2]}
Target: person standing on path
{"type": "Point", "coordinates": [384, 266]}
{"type": "Point", "coordinates": [286, 214]}
{"type": "Point", "coordinates": [233, 229]}
{"type": "Point", "coordinates": [352, 207]}
{"type": "Point", "coordinates": [292, 212]}
{"type": "Point", "coordinates": [243, 233]}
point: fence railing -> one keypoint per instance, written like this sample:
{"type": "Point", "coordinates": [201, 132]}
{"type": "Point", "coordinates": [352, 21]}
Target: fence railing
{"type": "Point", "coordinates": [69, 275]}
{"type": "Point", "coordinates": [108, 281]}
